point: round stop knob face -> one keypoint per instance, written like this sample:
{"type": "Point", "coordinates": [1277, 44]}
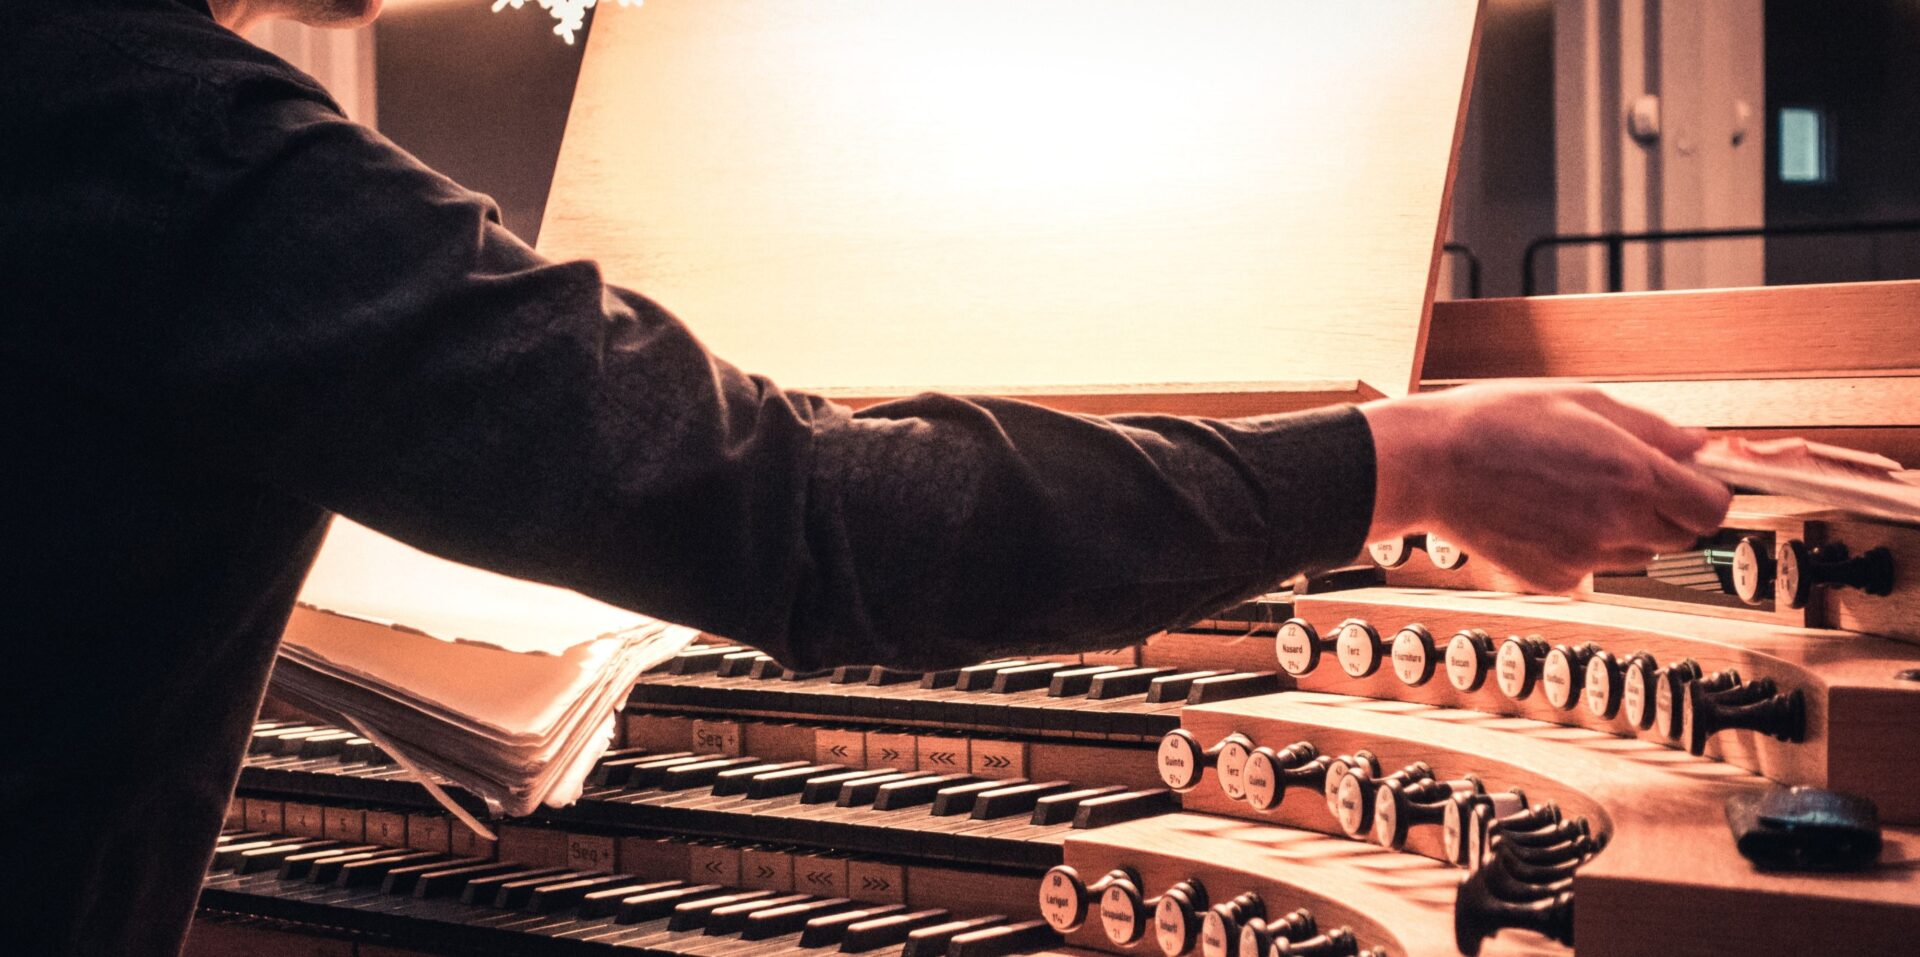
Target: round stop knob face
{"type": "Point", "coordinates": [1633, 697]}
{"type": "Point", "coordinates": [1179, 760]}
{"type": "Point", "coordinates": [1063, 899]}
{"type": "Point", "coordinates": [1173, 925]}
{"type": "Point", "coordinates": [1230, 765]}
{"type": "Point", "coordinates": [1666, 710]}
{"type": "Point", "coordinates": [1358, 647]}
{"type": "Point", "coordinates": [1297, 648]}
{"type": "Point", "coordinates": [1260, 779]}
{"type": "Point", "coordinates": [1513, 670]}
{"type": "Point", "coordinates": [1350, 805]}
{"type": "Point", "coordinates": [1413, 657]}
{"type": "Point", "coordinates": [1750, 579]}
{"type": "Point", "coordinates": [1598, 694]}
{"type": "Point", "coordinates": [1386, 818]}
{"type": "Point", "coordinates": [1787, 574]}
{"type": "Point", "coordinates": [1121, 914]}
{"type": "Point", "coordinates": [1465, 668]}
{"type": "Point", "coordinates": [1216, 938]}
{"type": "Point", "coordinates": [1559, 681]}
{"type": "Point", "coordinates": [1445, 554]}
{"type": "Point", "coordinates": [1390, 553]}
{"type": "Point", "coordinates": [1453, 832]}
{"type": "Point", "coordinates": [1250, 942]}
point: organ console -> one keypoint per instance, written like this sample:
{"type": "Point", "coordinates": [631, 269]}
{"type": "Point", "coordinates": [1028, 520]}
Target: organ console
{"type": "Point", "coordinates": [1407, 758]}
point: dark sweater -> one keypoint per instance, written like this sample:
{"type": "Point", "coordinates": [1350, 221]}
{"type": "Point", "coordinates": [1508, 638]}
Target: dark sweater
{"type": "Point", "coordinates": [228, 312]}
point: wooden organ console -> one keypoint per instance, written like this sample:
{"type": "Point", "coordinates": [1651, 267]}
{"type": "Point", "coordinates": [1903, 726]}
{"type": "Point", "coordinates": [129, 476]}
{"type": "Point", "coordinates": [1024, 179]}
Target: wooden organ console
{"type": "Point", "coordinates": [1400, 758]}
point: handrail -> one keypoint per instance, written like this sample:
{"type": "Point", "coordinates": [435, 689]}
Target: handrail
{"type": "Point", "coordinates": [1616, 243]}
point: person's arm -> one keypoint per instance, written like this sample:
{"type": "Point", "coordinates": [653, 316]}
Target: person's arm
{"type": "Point", "coordinates": [357, 331]}
{"type": "Point", "coordinates": [1551, 482]}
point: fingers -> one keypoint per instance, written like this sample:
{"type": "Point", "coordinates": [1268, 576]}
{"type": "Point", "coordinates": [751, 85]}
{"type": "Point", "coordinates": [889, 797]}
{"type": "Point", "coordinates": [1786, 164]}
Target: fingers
{"type": "Point", "coordinates": [1689, 499]}
{"type": "Point", "coordinates": [1672, 440]}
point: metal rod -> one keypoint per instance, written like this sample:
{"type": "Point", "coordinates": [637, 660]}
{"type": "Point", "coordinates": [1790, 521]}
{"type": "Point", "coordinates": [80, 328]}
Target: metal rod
{"type": "Point", "coordinates": [1616, 243]}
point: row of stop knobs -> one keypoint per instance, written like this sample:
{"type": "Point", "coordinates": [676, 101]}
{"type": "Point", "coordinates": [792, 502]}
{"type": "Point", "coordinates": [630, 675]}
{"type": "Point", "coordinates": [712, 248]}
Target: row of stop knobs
{"type": "Point", "coordinates": [1367, 801]}
{"type": "Point", "coordinates": [1180, 919]}
{"type": "Point", "coordinates": [1683, 702]}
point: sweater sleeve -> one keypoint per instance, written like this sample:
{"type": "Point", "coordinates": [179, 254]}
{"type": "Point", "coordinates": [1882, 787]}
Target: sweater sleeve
{"type": "Point", "coordinates": [357, 330]}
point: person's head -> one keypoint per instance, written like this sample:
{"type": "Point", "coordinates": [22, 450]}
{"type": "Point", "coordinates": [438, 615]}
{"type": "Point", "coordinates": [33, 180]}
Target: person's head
{"type": "Point", "coordinates": [238, 15]}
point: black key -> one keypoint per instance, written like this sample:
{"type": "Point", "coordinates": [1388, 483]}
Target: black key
{"type": "Point", "coordinates": [1017, 799]}
{"type": "Point", "coordinates": [880, 677]}
{"type": "Point", "coordinates": [862, 791]}
{"type": "Point", "coordinates": [732, 918]}
{"type": "Point", "coordinates": [603, 903]}
{"type": "Point", "coordinates": [481, 890]}
{"type": "Point", "coordinates": [1004, 940]}
{"type": "Point", "coordinates": [629, 755]}
{"type": "Point", "coordinates": [553, 897]}
{"type": "Point", "coordinates": [1025, 677]}
{"type": "Point", "coordinates": [1126, 806]}
{"type": "Point", "coordinates": [905, 794]}
{"type": "Point", "coordinates": [1230, 686]}
{"type": "Point", "coordinates": [515, 894]}
{"type": "Point", "coordinates": [739, 664]}
{"type": "Point", "coordinates": [614, 772]}
{"type": "Point", "coordinates": [693, 914]}
{"type": "Point", "coordinates": [829, 930]}
{"type": "Point", "coordinates": [401, 880]}
{"type": "Point", "coordinates": [1168, 688]}
{"type": "Point", "coordinates": [325, 869]}
{"type": "Point", "coordinates": [734, 781]}
{"type": "Point", "coordinates": [850, 674]}
{"type": "Point", "coordinates": [1123, 683]}
{"type": "Point", "coordinates": [940, 679]}
{"type": "Point", "coordinates": [296, 867]}
{"type": "Point", "coordinates": [775, 921]}
{"type": "Point", "coordinates": [766, 669]}
{"type": "Point", "coordinates": [805, 675]}
{"type": "Point", "coordinates": [889, 930]}
{"type": "Point", "coordinates": [454, 880]}
{"type": "Point", "coordinates": [653, 905]}
{"type": "Point", "coordinates": [826, 788]}
{"type": "Point", "coordinates": [649, 773]}
{"type": "Point", "coordinates": [980, 677]}
{"type": "Point", "coordinates": [698, 774]}
{"type": "Point", "coordinates": [1074, 682]}
{"type": "Point", "coordinates": [700, 659]}
{"type": "Point", "coordinates": [932, 941]}
{"type": "Point", "coordinates": [374, 870]}
{"type": "Point", "coordinates": [789, 781]}
{"type": "Point", "coordinates": [227, 856]}
{"type": "Point", "coordinates": [959, 798]}
{"type": "Point", "coordinates": [325, 745]}
{"type": "Point", "coordinates": [1060, 808]}
{"type": "Point", "coordinates": [269, 858]}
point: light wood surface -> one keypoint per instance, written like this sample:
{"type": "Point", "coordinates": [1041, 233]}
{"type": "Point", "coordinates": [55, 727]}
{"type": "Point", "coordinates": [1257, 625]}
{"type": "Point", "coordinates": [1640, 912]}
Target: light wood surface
{"type": "Point", "coordinates": [1865, 327]}
{"type": "Point", "coordinates": [1009, 192]}
{"type": "Point", "coordinates": [1814, 402]}
{"type": "Point", "coordinates": [1669, 881]}
{"type": "Point", "coordinates": [1858, 709]}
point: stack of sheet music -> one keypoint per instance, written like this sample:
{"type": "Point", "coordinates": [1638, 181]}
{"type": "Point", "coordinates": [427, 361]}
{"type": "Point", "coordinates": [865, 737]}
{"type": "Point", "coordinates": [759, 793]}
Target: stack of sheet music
{"type": "Point", "coordinates": [1848, 479]}
{"type": "Point", "coordinates": [505, 688]}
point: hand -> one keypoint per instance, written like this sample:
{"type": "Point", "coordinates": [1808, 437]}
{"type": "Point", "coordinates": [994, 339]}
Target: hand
{"type": "Point", "coordinates": [1551, 482]}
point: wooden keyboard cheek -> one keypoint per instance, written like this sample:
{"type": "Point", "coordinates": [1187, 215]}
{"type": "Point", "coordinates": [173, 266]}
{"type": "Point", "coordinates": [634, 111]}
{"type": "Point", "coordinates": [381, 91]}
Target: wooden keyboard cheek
{"type": "Point", "coordinates": [1669, 880]}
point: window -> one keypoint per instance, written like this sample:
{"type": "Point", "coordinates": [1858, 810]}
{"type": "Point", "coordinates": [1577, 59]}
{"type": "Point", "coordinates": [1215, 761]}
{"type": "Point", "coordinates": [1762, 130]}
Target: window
{"type": "Point", "coordinates": [1805, 146]}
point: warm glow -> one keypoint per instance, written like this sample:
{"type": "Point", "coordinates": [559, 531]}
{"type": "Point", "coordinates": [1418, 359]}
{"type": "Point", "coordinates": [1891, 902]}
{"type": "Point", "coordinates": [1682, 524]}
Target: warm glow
{"type": "Point", "coordinates": [1011, 192]}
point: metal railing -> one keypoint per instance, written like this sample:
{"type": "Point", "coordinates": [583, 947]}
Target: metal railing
{"type": "Point", "coordinates": [1616, 243]}
{"type": "Point", "coordinates": [1465, 252]}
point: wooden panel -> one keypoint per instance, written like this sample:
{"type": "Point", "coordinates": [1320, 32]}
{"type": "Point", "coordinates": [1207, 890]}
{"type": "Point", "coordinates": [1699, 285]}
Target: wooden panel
{"type": "Point", "coordinates": [540, 846]}
{"type": "Point", "coordinates": [972, 892]}
{"type": "Point", "coordinates": [835, 193]}
{"type": "Point", "coordinates": [386, 827]}
{"type": "Point", "coordinates": [1730, 333]}
{"type": "Point", "coordinates": [1781, 403]}
{"type": "Point", "coordinates": [430, 832]}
